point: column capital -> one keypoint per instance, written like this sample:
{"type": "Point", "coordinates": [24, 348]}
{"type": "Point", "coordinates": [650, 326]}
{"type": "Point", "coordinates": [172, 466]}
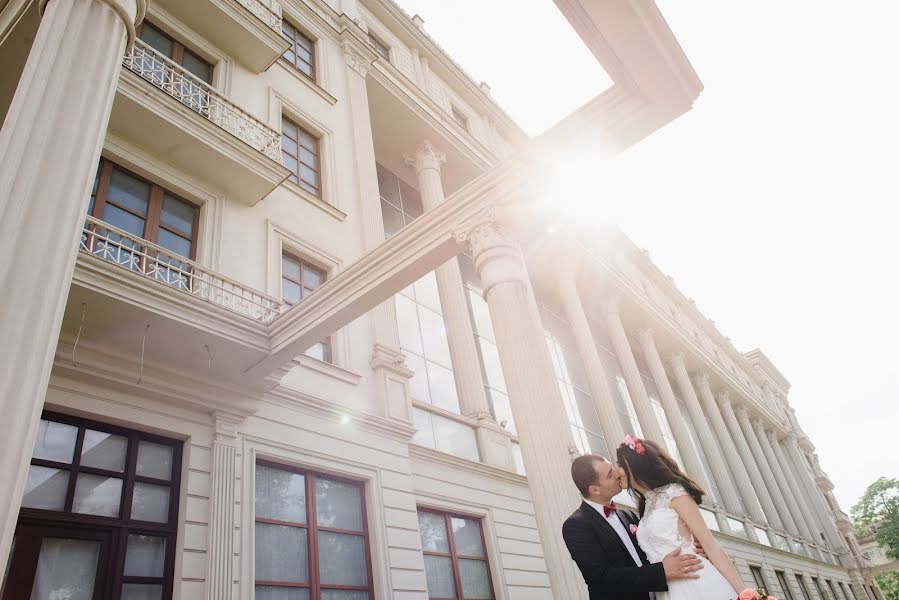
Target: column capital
{"type": "Point", "coordinates": [741, 412]}
{"type": "Point", "coordinates": [425, 156]}
{"type": "Point", "coordinates": [701, 380]}
{"type": "Point", "coordinates": [358, 58]}
{"type": "Point", "coordinates": [677, 360]}
{"type": "Point", "coordinates": [130, 11]}
{"type": "Point", "coordinates": [644, 335]}
{"type": "Point", "coordinates": [723, 398]}
{"type": "Point", "coordinates": [496, 256]}
{"type": "Point", "coordinates": [226, 427]}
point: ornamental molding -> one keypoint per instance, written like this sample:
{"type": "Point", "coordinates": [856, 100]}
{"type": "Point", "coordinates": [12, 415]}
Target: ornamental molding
{"type": "Point", "coordinates": [701, 380]}
{"type": "Point", "coordinates": [677, 360]}
{"type": "Point", "coordinates": [425, 156]}
{"type": "Point", "coordinates": [724, 398]}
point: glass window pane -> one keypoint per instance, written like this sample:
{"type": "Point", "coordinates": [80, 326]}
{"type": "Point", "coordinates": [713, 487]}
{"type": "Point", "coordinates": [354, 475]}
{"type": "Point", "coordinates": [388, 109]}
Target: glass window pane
{"type": "Point", "coordinates": [197, 66]}
{"type": "Point", "coordinates": [307, 140]}
{"type": "Point", "coordinates": [288, 145]}
{"type": "Point", "coordinates": [282, 553]}
{"type": "Point", "coordinates": [467, 537]}
{"type": "Point", "coordinates": [426, 292]}
{"type": "Point", "coordinates": [502, 410]}
{"type": "Point", "coordinates": [178, 215]}
{"type": "Point", "coordinates": [493, 369]}
{"type": "Point", "coordinates": [156, 39]}
{"type": "Point", "coordinates": [154, 460]}
{"type": "Point", "coordinates": [145, 556]}
{"type": "Point", "coordinates": [103, 450]}
{"type": "Point", "coordinates": [97, 495]}
{"type": "Point", "coordinates": [264, 592]}
{"type": "Point", "coordinates": [480, 313]}
{"type": "Point", "coordinates": [128, 192]}
{"type": "Point", "coordinates": [418, 385]}
{"type": "Point", "coordinates": [344, 595]}
{"type": "Point", "coordinates": [587, 411]}
{"type": "Point", "coordinates": [312, 189]}
{"type": "Point", "coordinates": [290, 291]}
{"type": "Point", "coordinates": [280, 494]}
{"type": "Point", "coordinates": [443, 388]}
{"type": "Point", "coordinates": [407, 324]}
{"type": "Point", "coordinates": [455, 438]}
{"type": "Point", "coordinates": [341, 558]}
{"type": "Point", "coordinates": [338, 504]}
{"type": "Point", "coordinates": [439, 572]}
{"type": "Point", "coordinates": [308, 175]}
{"type": "Point", "coordinates": [290, 267]}
{"type": "Point", "coordinates": [174, 243]}
{"type": "Point", "coordinates": [308, 157]}
{"type": "Point", "coordinates": [150, 503]}
{"type": "Point", "coordinates": [141, 591]}
{"type": "Point", "coordinates": [288, 128]}
{"type": "Point", "coordinates": [433, 335]}
{"type": "Point", "coordinates": [432, 527]}
{"type": "Point", "coordinates": [66, 569]}
{"type": "Point", "coordinates": [45, 488]}
{"type": "Point", "coordinates": [55, 441]}
{"type": "Point", "coordinates": [411, 200]}
{"type": "Point", "coordinates": [117, 217]}
{"type": "Point", "coordinates": [424, 430]}
{"type": "Point", "coordinates": [312, 277]}
{"type": "Point", "coordinates": [317, 352]}
{"type": "Point", "coordinates": [475, 581]}
{"type": "Point", "coordinates": [388, 186]}
{"type": "Point", "coordinates": [393, 219]}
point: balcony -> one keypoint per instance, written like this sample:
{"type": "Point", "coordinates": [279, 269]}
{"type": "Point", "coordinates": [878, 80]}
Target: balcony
{"type": "Point", "coordinates": [844, 523]}
{"type": "Point", "coordinates": [248, 30]}
{"type": "Point", "coordinates": [168, 111]}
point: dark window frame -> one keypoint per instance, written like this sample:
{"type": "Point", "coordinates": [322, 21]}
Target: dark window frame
{"type": "Point", "coordinates": [304, 289]}
{"type": "Point", "coordinates": [453, 555]}
{"type": "Point", "coordinates": [178, 50]}
{"type": "Point", "coordinates": [311, 525]}
{"type": "Point", "coordinates": [295, 37]}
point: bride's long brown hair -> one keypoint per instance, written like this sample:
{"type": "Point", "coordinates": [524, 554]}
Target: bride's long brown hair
{"type": "Point", "coordinates": [652, 469]}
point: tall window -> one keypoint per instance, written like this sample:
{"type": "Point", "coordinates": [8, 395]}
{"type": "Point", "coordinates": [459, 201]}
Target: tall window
{"type": "Point", "coordinates": [99, 512]}
{"type": "Point", "coordinates": [298, 280]}
{"type": "Point", "coordinates": [820, 590]}
{"type": "Point", "coordinates": [379, 46]}
{"type": "Point", "coordinates": [300, 154]}
{"type": "Point", "coordinates": [456, 563]}
{"type": "Point", "coordinates": [782, 580]}
{"type": "Point", "coordinates": [803, 587]}
{"type": "Point", "coordinates": [301, 53]}
{"type": "Point", "coordinates": [400, 203]}
{"type": "Point", "coordinates": [833, 590]}
{"type": "Point", "coordinates": [175, 51]}
{"type": "Point", "coordinates": [759, 578]}
{"type": "Point", "coordinates": [311, 536]}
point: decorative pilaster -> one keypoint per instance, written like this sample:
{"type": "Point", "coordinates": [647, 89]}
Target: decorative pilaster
{"type": "Point", "coordinates": [820, 510]}
{"type": "Point", "coordinates": [791, 514]}
{"type": "Point", "coordinates": [692, 463]}
{"type": "Point", "coordinates": [533, 393]}
{"type": "Point", "coordinates": [620, 344]}
{"type": "Point", "coordinates": [758, 457]}
{"type": "Point", "coordinates": [586, 348]}
{"type": "Point", "coordinates": [387, 362]}
{"type": "Point", "coordinates": [706, 438]}
{"type": "Point", "coordinates": [220, 551]}
{"type": "Point", "coordinates": [805, 510]}
{"type": "Point", "coordinates": [58, 116]}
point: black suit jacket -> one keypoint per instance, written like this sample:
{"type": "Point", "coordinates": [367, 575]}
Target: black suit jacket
{"type": "Point", "coordinates": [604, 561]}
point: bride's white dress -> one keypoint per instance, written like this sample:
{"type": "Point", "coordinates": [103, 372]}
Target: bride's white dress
{"type": "Point", "coordinates": [658, 534]}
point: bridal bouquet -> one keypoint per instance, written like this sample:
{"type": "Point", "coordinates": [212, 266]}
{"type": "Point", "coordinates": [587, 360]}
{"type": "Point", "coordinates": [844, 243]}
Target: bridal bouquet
{"type": "Point", "coordinates": [755, 594]}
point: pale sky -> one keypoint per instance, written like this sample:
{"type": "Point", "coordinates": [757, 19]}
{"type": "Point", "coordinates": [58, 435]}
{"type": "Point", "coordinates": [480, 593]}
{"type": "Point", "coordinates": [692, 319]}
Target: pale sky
{"type": "Point", "coordinates": [773, 203]}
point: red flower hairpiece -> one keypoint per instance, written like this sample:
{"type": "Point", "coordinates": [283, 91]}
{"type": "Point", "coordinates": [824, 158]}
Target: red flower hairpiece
{"type": "Point", "coordinates": [634, 444]}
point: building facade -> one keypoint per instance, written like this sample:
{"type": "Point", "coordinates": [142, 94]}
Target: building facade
{"type": "Point", "coordinates": [290, 327]}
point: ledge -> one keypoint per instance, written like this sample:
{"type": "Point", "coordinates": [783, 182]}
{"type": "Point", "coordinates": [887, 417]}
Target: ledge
{"type": "Point", "coordinates": [312, 85]}
{"type": "Point", "coordinates": [319, 203]}
{"type": "Point", "coordinates": [328, 369]}
{"type": "Point", "coordinates": [440, 457]}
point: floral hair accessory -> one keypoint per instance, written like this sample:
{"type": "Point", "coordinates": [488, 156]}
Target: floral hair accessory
{"type": "Point", "coordinates": [634, 444]}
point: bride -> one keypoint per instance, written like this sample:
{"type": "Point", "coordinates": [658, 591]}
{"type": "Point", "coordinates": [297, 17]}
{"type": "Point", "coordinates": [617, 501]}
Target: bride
{"type": "Point", "coordinates": [669, 519]}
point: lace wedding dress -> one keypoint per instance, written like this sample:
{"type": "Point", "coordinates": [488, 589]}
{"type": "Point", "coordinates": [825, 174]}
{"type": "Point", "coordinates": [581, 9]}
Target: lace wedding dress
{"type": "Point", "coordinates": [658, 534]}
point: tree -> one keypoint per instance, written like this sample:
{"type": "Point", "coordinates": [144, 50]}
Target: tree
{"type": "Point", "coordinates": [889, 585]}
{"type": "Point", "coordinates": [877, 512]}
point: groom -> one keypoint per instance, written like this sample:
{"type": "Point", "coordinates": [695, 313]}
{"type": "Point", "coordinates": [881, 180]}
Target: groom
{"type": "Point", "coordinates": [602, 541]}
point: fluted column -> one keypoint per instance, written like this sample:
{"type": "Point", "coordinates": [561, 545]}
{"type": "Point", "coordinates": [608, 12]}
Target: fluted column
{"type": "Point", "coordinates": [49, 148]}
{"type": "Point", "coordinates": [648, 424]}
{"type": "Point", "coordinates": [755, 476]}
{"type": "Point", "coordinates": [387, 362]}
{"type": "Point", "coordinates": [805, 509]}
{"type": "Point", "coordinates": [728, 447]}
{"type": "Point", "coordinates": [758, 457]}
{"type": "Point", "coordinates": [586, 348]}
{"type": "Point", "coordinates": [692, 463]}
{"type": "Point", "coordinates": [220, 551]}
{"type": "Point", "coordinates": [533, 393]}
{"type": "Point", "coordinates": [706, 438]}
{"type": "Point", "coordinates": [795, 523]}
{"type": "Point", "coordinates": [807, 484]}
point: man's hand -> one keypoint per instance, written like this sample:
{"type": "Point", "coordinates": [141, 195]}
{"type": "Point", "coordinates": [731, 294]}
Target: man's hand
{"type": "Point", "coordinates": [700, 550]}
{"type": "Point", "coordinates": [680, 566]}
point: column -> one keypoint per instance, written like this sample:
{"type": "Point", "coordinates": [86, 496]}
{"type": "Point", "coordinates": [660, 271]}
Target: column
{"type": "Point", "coordinates": [807, 484]}
{"type": "Point", "coordinates": [586, 348]}
{"type": "Point", "coordinates": [755, 477]}
{"type": "Point", "coordinates": [799, 527]}
{"type": "Point", "coordinates": [805, 509]}
{"type": "Point", "coordinates": [706, 438]}
{"type": "Point", "coordinates": [387, 362]}
{"type": "Point", "coordinates": [758, 456]}
{"type": "Point", "coordinates": [220, 551]}
{"type": "Point", "coordinates": [692, 463]}
{"type": "Point", "coordinates": [533, 393]}
{"type": "Point", "coordinates": [494, 441]}
{"type": "Point", "coordinates": [620, 344]}
{"type": "Point", "coordinates": [57, 119]}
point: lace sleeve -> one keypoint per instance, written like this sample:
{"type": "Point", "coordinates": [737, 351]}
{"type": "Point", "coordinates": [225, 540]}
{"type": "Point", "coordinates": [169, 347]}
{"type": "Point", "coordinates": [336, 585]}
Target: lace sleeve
{"type": "Point", "coordinates": [672, 491]}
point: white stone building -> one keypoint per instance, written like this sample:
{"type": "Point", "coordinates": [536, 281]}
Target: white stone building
{"type": "Point", "coordinates": [181, 421]}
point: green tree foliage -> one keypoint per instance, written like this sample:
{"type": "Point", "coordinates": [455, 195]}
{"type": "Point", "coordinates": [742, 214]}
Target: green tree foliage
{"type": "Point", "coordinates": [877, 512]}
{"type": "Point", "coordinates": [889, 585]}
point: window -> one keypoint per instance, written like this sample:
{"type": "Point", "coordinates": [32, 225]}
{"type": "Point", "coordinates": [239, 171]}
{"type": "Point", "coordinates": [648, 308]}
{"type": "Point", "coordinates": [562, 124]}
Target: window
{"type": "Point", "coordinates": [820, 590]}
{"type": "Point", "coordinates": [758, 578]}
{"type": "Point", "coordinates": [380, 47]}
{"type": "Point", "coordinates": [459, 117]}
{"type": "Point", "coordinates": [846, 595]}
{"type": "Point", "coordinates": [180, 84]}
{"type": "Point", "coordinates": [833, 590]}
{"type": "Point", "coordinates": [301, 53]}
{"type": "Point", "coordinates": [298, 280]}
{"type": "Point", "coordinates": [400, 203]}
{"type": "Point", "coordinates": [148, 211]}
{"type": "Point", "coordinates": [99, 512]}
{"type": "Point", "coordinates": [311, 536]}
{"type": "Point", "coordinates": [782, 580]}
{"type": "Point", "coordinates": [803, 587]}
{"type": "Point", "coordinates": [456, 563]}
{"type": "Point", "coordinates": [300, 154]}
{"type": "Point", "coordinates": [762, 535]}
{"type": "Point", "coordinates": [175, 51]}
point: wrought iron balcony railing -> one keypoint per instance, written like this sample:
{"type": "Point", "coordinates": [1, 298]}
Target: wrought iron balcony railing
{"type": "Point", "coordinates": [155, 262]}
{"type": "Point", "coordinates": [199, 96]}
{"type": "Point", "coordinates": [263, 12]}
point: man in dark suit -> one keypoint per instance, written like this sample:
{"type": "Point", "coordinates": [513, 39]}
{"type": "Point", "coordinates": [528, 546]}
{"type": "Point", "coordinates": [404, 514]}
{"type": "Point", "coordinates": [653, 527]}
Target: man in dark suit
{"type": "Point", "coordinates": [600, 538]}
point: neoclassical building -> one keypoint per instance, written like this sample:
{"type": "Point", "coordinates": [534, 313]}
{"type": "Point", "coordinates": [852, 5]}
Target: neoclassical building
{"type": "Point", "coordinates": [284, 317]}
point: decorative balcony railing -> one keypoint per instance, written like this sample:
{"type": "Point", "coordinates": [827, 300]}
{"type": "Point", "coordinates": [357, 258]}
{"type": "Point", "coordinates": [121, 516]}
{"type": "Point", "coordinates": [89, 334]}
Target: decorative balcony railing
{"type": "Point", "coordinates": [155, 262]}
{"type": "Point", "coordinates": [263, 12]}
{"type": "Point", "coordinates": [202, 98]}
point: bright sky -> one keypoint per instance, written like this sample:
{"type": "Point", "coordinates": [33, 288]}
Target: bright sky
{"type": "Point", "coordinates": [773, 203]}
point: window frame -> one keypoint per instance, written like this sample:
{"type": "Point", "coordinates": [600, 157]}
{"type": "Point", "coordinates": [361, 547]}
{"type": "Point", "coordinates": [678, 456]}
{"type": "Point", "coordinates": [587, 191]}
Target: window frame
{"type": "Point", "coordinates": [781, 577]}
{"type": "Point", "coordinates": [295, 42]}
{"type": "Point", "coordinates": [759, 576]}
{"type": "Point", "coordinates": [453, 555]}
{"type": "Point", "coordinates": [178, 50]}
{"type": "Point", "coordinates": [319, 189]}
{"type": "Point", "coordinates": [119, 528]}
{"type": "Point", "coordinates": [381, 49]}
{"type": "Point", "coordinates": [312, 528]}
{"type": "Point", "coordinates": [803, 587]}
{"type": "Point", "coordinates": [304, 265]}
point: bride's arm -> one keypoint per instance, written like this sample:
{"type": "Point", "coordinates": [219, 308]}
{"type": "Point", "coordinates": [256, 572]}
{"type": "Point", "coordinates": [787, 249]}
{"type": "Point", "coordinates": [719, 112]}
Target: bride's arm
{"type": "Point", "coordinates": [689, 513]}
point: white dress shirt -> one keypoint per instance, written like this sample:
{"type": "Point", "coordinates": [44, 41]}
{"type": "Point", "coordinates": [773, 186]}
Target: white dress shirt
{"type": "Point", "coordinates": [618, 526]}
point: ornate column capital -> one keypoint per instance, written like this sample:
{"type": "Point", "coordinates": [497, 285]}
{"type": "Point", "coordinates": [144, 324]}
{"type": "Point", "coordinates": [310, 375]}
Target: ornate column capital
{"type": "Point", "coordinates": [677, 360]}
{"type": "Point", "coordinates": [741, 412]}
{"type": "Point", "coordinates": [701, 381]}
{"type": "Point", "coordinates": [758, 422]}
{"type": "Point", "coordinates": [723, 398]}
{"type": "Point", "coordinates": [130, 11]}
{"type": "Point", "coordinates": [644, 335]}
{"type": "Point", "coordinates": [425, 156]}
{"type": "Point", "coordinates": [356, 59]}
{"type": "Point", "coordinates": [496, 256]}
{"type": "Point", "coordinates": [226, 427]}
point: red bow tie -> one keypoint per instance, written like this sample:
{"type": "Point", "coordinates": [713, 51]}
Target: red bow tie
{"type": "Point", "coordinates": [612, 507]}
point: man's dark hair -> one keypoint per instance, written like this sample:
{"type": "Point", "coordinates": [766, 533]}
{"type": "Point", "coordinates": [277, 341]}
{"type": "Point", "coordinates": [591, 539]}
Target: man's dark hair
{"type": "Point", "coordinates": [583, 472]}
